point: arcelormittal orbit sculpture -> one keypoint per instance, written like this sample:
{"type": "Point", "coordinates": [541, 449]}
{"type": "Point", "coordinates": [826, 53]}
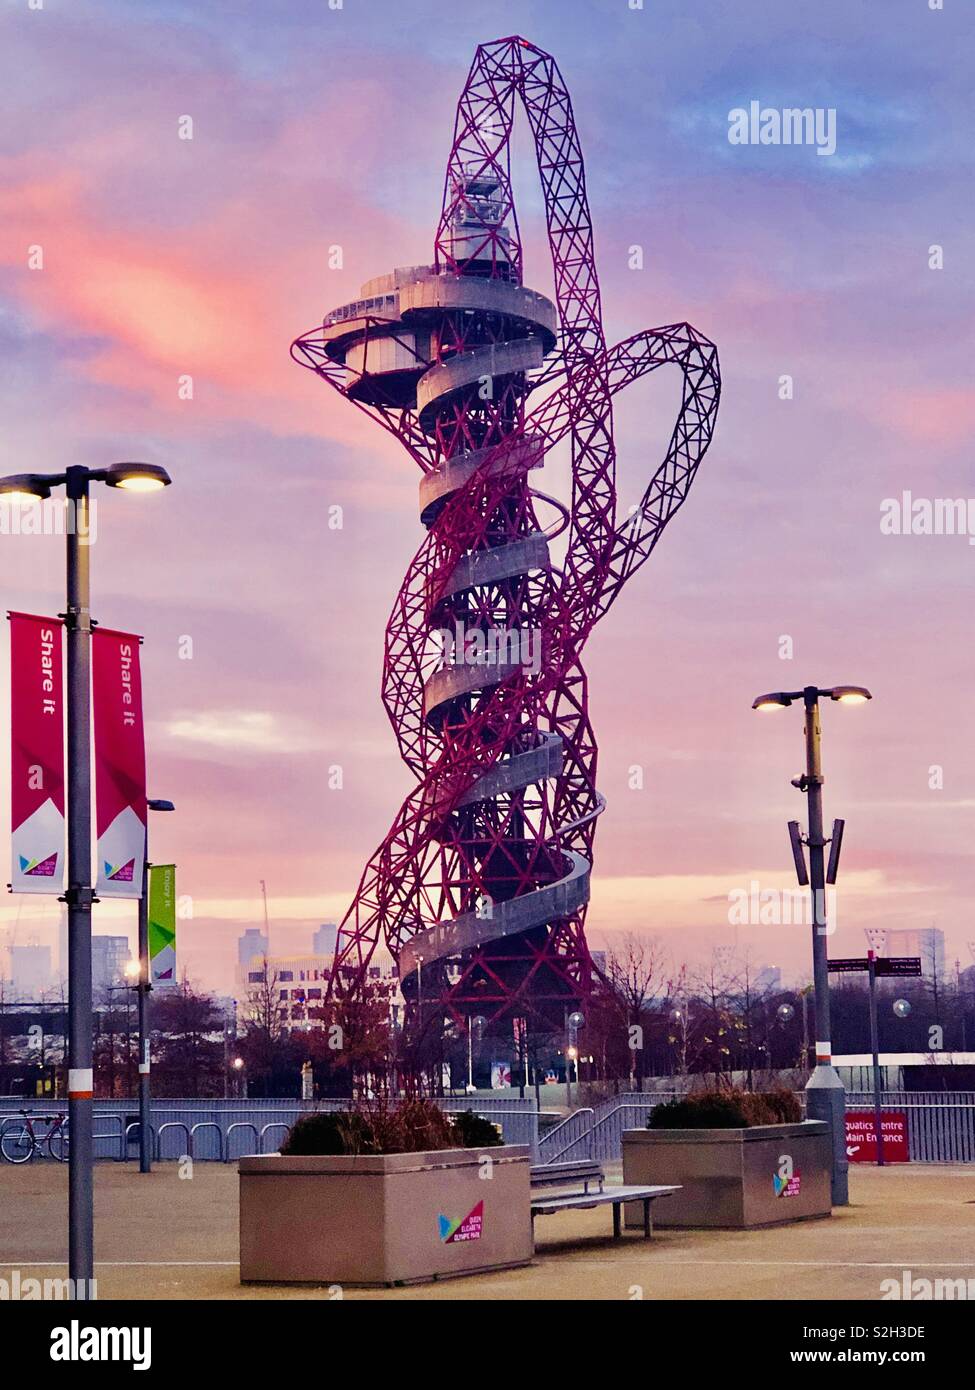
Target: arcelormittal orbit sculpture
{"type": "Point", "coordinates": [480, 888]}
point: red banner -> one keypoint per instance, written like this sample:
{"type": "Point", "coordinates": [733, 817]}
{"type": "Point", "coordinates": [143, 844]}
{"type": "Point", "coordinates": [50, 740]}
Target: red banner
{"type": "Point", "coordinates": [37, 754]}
{"type": "Point", "coordinates": [120, 763]}
{"type": "Point", "coordinates": [861, 1136]}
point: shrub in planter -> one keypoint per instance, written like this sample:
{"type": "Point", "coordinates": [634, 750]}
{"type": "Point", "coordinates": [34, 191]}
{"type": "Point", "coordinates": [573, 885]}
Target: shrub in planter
{"type": "Point", "coordinates": [413, 1126]}
{"type": "Point", "coordinates": [327, 1132]}
{"type": "Point", "coordinates": [727, 1109]}
{"type": "Point", "coordinates": [725, 1148]}
{"type": "Point", "coordinates": [475, 1132]}
{"type": "Point", "coordinates": [701, 1110]}
{"type": "Point", "coordinates": [384, 1193]}
{"type": "Point", "coordinates": [778, 1107]}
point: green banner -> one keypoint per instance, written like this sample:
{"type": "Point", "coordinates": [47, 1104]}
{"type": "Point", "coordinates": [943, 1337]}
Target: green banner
{"type": "Point", "coordinates": [162, 925]}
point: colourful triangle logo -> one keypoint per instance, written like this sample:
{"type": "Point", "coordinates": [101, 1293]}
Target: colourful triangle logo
{"type": "Point", "coordinates": [122, 873]}
{"type": "Point", "coordinates": [787, 1187]}
{"type": "Point", "coordinates": [39, 868]}
{"type": "Point", "coordinates": [466, 1228]}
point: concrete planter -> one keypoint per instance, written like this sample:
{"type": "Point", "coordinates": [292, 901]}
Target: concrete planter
{"type": "Point", "coordinates": [732, 1178]}
{"type": "Point", "coordinates": [386, 1219]}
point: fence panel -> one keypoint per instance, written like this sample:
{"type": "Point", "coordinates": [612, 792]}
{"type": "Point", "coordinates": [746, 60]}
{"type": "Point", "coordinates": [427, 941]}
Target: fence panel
{"type": "Point", "coordinates": [941, 1124]}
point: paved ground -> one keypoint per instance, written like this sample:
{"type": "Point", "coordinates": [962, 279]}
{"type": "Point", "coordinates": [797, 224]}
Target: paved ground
{"type": "Point", "coordinates": [163, 1236]}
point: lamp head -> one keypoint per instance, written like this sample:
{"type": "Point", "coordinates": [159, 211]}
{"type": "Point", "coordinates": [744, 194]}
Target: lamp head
{"type": "Point", "coordinates": [24, 487]}
{"type": "Point", "coordinates": [850, 694]}
{"type": "Point", "coordinates": [137, 477]}
{"type": "Point", "coordinates": [778, 699]}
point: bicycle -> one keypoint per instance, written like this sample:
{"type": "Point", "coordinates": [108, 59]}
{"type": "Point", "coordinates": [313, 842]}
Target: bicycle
{"type": "Point", "coordinates": [19, 1145]}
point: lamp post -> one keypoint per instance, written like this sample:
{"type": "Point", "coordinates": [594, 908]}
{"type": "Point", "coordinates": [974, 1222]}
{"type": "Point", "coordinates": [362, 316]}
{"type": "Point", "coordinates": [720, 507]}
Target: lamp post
{"type": "Point", "coordinates": [241, 1078]}
{"type": "Point", "coordinates": [825, 1096]}
{"type": "Point", "coordinates": [474, 1023]}
{"type": "Point", "coordinates": [573, 1023]}
{"type": "Point", "coordinates": [144, 987]}
{"type": "Point", "coordinates": [33, 487]}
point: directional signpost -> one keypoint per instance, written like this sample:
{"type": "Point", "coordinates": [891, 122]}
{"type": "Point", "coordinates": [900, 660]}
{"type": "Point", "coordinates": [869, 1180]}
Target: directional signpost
{"type": "Point", "coordinates": [876, 966]}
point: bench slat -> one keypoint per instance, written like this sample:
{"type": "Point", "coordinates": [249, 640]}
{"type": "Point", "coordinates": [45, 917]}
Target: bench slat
{"type": "Point", "coordinates": [544, 1205]}
{"type": "Point", "coordinates": [566, 1174]}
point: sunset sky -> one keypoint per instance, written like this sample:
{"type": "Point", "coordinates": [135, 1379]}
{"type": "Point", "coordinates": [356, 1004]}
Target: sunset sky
{"type": "Point", "coordinates": [312, 127]}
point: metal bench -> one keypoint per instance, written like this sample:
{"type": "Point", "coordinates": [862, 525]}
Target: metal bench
{"type": "Point", "coordinates": [582, 1185]}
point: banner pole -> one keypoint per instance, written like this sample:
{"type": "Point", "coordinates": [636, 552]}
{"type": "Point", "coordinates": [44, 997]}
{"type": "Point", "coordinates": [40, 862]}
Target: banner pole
{"type": "Point", "coordinates": [79, 896]}
{"type": "Point", "coordinates": [145, 1123]}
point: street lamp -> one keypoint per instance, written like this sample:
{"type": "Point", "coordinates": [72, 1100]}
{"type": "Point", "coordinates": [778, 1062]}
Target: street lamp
{"type": "Point", "coordinates": [474, 1024]}
{"type": "Point", "coordinates": [825, 1097]}
{"type": "Point", "coordinates": [573, 1023]}
{"type": "Point", "coordinates": [130, 984]}
{"type": "Point", "coordinates": [145, 986]}
{"type": "Point", "coordinates": [31, 487]}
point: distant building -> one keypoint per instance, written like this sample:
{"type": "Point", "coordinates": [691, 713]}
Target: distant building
{"type": "Point", "coordinates": [324, 941]}
{"type": "Point", "coordinates": [926, 942]}
{"type": "Point", "coordinates": [109, 957]}
{"type": "Point", "coordinates": [251, 946]}
{"type": "Point", "coordinates": [767, 978]}
{"type": "Point", "coordinates": [30, 971]}
{"type": "Point", "coordinates": [300, 983]}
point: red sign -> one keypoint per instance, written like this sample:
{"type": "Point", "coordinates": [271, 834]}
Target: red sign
{"type": "Point", "coordinates": [120, 763]}
{"type": "Point", "coordinates": [37, 754]}
{"type": "Point", "coordinates": [861, 1136]}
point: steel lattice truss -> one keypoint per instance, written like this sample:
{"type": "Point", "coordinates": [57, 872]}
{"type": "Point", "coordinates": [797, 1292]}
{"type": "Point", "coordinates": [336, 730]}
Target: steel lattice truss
{"type": "Point", "coordinates": [480, 887]}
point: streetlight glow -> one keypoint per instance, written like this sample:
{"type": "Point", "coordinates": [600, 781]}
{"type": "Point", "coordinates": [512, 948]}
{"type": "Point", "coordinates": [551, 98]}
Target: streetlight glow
{"type": "Point", "coordinates": [850, 694]}
{"type": "Point", "coordinates": [24, 487]}
{"type": "Point", "coordinates": [777, 700]}
{"type": "Point", "coordinates": [137, 477]}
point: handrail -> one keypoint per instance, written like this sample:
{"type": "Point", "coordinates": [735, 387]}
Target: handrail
{"type": "Point", "coordinates": [274, 1124]}
{"type": "Point", "coordinates": [173, 1124]}
{"type": "Point", "coordinates": [587, 1134]}
{"type": "Point", "coordinates": [124, 1141]}
{"type": "Point", "coordinates": [208, 1124]}
{"type": "Point", "coordinates": [239, 1124]}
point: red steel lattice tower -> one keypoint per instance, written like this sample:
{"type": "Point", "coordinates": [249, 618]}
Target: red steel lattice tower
{"type": "Point", "coordinates": [480, 888]}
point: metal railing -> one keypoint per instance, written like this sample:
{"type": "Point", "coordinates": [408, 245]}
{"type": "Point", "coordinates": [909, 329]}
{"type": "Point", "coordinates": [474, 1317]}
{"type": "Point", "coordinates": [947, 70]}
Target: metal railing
{"type": "Point", "coordinates": [565, 1138]}
{"type": "Point", "coordinates": [941, 1124]}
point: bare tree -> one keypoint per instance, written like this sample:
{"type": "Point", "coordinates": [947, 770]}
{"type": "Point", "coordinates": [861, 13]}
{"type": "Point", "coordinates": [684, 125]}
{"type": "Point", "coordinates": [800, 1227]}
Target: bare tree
{"type": "Point", "coordinates": [633, 973]}
{"type": "Point", "coordinates": [264, 1029]}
